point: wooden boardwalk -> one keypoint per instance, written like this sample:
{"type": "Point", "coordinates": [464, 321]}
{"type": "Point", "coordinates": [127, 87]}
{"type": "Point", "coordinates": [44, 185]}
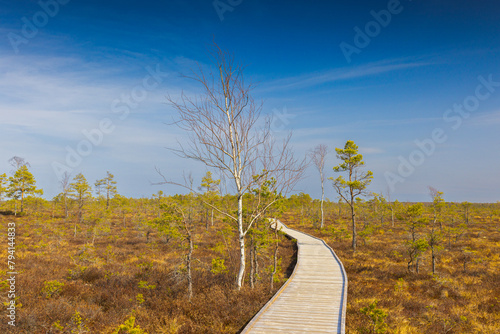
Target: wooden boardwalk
{"type": "Point", "coordinates": [313, 300]}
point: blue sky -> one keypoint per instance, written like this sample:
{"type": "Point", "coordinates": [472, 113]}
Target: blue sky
{"type": "Point", "coordinates": [67, 66]}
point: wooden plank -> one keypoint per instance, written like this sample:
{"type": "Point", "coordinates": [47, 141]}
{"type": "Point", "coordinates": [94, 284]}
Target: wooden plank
{"type": "Point", "coordinates": [313, 300]}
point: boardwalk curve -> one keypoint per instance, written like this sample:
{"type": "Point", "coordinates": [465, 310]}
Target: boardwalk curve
{"type": "Point", "coordinates": [314, 298]}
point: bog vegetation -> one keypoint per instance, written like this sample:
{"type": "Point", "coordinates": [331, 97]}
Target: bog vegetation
{"type": "Point", "coordinates": [93, 261]}
{"type": "Point", "coordinates": [418, 267]}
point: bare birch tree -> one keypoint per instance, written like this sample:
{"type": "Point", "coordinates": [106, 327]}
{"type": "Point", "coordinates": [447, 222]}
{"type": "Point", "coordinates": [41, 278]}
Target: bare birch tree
{"type": "Point", "coordinates": [64, 183]}
{"type": "Point", "coordinates": [17, 162]}
{"type": "Point", "coordinates": [391, 205]}
{"type": "Point", "coordinates": [227, 133]}
{"type": "Point", "coordinates": [318, 155]}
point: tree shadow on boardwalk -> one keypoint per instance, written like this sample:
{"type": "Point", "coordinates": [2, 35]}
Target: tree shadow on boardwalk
{"type": "Point", "coordinates": [289, 270]}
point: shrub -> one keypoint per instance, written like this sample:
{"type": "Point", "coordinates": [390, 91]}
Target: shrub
{"type": "Point", "coordinates": [78, 324]}
{"type": "Point", "coordinates": [52, 288]}
{"type": "Point", "coordinates": [377, 316]}
{"type": "Point", "coordinates": [128, 327]}
{"type": "Point", "coordinates": [218, 266]}
{"type": "Point", "coordinates": [139, 298]}
{"type": "Point", "coordinates": [144, 285]}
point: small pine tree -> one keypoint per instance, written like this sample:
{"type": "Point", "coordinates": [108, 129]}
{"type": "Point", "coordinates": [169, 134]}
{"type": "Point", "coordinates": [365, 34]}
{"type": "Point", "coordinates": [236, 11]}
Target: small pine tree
{"type": "Point", "coordinates": [356, 183]}
{"type": "Point", "coordinates": [22, 184]}
{"type": "Point", "coordinates": [80, 191]}
{"type": "Point", "coordinates": [377, 316]}
{"type": "Point", "coordinates": [107, 187]}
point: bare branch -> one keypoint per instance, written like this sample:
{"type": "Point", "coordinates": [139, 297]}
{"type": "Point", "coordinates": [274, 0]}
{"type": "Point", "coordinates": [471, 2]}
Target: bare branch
{"type": "Point", "coordinates": [224, 133]}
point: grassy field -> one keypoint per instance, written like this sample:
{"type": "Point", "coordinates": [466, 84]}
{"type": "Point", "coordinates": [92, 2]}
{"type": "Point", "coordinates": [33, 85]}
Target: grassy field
{"type": "Point", "coordinates": [121, 273]}
{"type": "Point", "coordinates": [129, 276]}
{"type": "Point", "coordinates": [463, 296]}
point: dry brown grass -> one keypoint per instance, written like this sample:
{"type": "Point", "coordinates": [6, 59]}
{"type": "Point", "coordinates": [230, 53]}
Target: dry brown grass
{"type": "Point", "coordinates": [102, 282]}
{"type": "Point", "coordinates": [453, 301]}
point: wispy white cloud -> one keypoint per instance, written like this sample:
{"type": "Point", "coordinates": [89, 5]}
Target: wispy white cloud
{"type": "Point", "coordinates": [61, 96]}
{"type": "Point", "coordinates": [46, 103]}
{"type": "Point", "coordinates": [305, 132]}
{"type": "Point", "coordinates": [486, 119]}
{"type": "Point", "coordinates": [341, 74]}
